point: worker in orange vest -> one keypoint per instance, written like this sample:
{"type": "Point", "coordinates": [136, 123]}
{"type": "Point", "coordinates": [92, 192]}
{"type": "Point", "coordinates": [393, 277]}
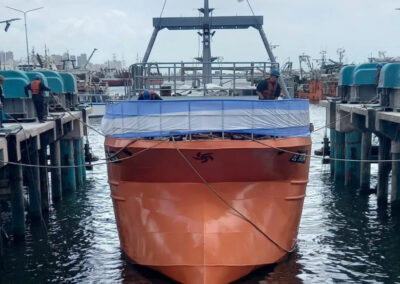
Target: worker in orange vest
{"type": "Point", "coordinates": [37, 88]}
{"type": "Point", "coordinates": [269, 89]}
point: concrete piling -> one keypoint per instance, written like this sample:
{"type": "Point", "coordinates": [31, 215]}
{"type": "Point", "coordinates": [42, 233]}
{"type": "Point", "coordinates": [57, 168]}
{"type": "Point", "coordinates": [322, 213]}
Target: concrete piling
{"type": "Point", "coordinates": [1, 240]}
{"type": "Point", "coordinates": [332, 148]}
{"type": "Point", "coordinates": [67, 159]}
{"type": "Point", "coordinates": [78, 150]}
{"type": "Point", "coordinates": [365, 167]}
{"type": "Point", "coordinates": [55, 157]}
{"type": "Point", "coordinates": [383, 169]}
{"type": "Point", "coordinates": [33, 178]}
{"type": "Point", "coordinates": [339, 156]}
{"type": "Point", "coordinates": [353, 152]}
{"type": "Point", "coordinates": [83, 162]}
{"type": "Point", "coordinates": [395, 195]}
{"type": "Point", "coordinates": [16, 183]}
{"type": "Point", "coordinates": [24, 156]}
{"type": "Point", "coordinates": [44, 185]}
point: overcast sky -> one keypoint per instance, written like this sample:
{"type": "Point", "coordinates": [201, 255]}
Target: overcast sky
{"type": "Point", "coordinates": [124, 27]}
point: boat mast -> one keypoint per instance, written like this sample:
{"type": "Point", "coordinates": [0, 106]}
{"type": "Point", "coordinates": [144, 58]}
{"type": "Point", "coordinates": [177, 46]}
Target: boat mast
{"type": "Point", "coordinates": [207, 72]}
{"type": "Point", "coordinates": [206, 24]}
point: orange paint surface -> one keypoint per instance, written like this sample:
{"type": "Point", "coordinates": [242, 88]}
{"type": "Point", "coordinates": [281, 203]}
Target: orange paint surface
{"type": "Point", "coordinates": [168, 219]}
{"type": "Point", "coordinates": [319, 90]}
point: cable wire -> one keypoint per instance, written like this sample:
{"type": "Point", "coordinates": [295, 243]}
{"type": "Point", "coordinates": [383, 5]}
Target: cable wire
{"type": "Point", "coordinates": [220, 197]}
{"type": "Point", "coordinates": [162, 10]}
{"type": "Point", "coordinates": [321, 158]}
{"type": "Point", "coordinates": [77, 118]}
{"type": "Point", "coordinates": [95, 164]}
{"type": "Point", "coordinates": [251, 8]}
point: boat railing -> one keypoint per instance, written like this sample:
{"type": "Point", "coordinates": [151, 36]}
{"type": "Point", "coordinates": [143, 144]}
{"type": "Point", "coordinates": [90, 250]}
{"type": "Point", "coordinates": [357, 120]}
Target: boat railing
{"type": "Point", "coordinates": [279, 118]}
{"type": "Point", "coordinates": [92, 87]}
{"type": "Point", "coordinates": [94, 98]}
{"type": "Point", "coordinates": [187, 78]}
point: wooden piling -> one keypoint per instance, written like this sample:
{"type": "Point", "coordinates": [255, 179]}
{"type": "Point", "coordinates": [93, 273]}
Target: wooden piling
{"type": "Point", "coordinates": [339, 154]}
{"type": "Point", "coordinates": [16, 184]}
{"type": "Point", "coordinates": [365, 167]}
{"type": "Point", "coordinates": [78, 149]}
{"type": "Point", "coordinates": [383, 169]}
{"type": "Point", "coordinates": [395, 195]}
{"type": "Point", "coordinates": [33, 178]}
{"type": "Point", "coordinates": [353, 152]}
{"type": "Point", "coordinates": [68, 178]}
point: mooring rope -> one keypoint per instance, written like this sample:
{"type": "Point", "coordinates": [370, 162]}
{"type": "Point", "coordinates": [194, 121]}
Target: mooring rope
{"type": "Point", "coordinates": [110, 160]}
{"type": "Point", "coordinates": [77, 118]}
{"type": "Point", "coordinates": [220, 197]}
{"type": "Point", "coordinates": [347, 115]}
{"type": "Point", "coordinates": [321, 158]}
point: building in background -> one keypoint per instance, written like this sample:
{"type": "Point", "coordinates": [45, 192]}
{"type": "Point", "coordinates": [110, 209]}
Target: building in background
{"type": "Point", "coordinates": [7, 60]}
{"type": "Point", "coordinates": [81, 60]}
{"type": "Point", "coordinates": [57, 59]}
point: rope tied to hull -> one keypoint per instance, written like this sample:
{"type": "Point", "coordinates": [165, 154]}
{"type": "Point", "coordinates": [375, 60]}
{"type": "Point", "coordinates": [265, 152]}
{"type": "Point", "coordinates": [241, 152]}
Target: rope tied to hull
{"type": "Point", "coordinates": [109, 160]}
{"type": "Point", "coordinates": [220, 197]}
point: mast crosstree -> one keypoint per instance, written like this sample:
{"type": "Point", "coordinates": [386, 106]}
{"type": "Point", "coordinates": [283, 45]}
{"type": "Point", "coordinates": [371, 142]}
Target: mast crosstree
{"type": "Point", "coordinates": [206, 24]}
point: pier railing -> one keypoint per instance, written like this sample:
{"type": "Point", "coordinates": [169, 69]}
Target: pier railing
{"type": "Point", "coordinates": [187, 78]}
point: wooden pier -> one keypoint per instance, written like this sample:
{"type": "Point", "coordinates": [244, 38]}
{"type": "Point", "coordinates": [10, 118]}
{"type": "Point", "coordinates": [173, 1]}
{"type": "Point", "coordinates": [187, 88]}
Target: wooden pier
{"type": "Point", "coordinates": [31, 153]}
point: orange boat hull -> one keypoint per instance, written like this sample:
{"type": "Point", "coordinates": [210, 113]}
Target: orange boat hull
{"type": "Point", "coordinates": [319, 90]}
{"type": "Point", "coordinates": [172, 221]}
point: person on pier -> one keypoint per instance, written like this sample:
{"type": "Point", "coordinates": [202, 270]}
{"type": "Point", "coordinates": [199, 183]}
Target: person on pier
{"type": "Point", "coordinates": [37, 87]}
{"type": "Point", "coordinates": [269, 89]}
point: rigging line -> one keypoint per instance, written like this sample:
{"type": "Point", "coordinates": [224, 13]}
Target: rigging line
{"type": "Point", "coordinates": [345, 116]}
{"type": "Point", "coordinates": [162, 10]}
{"type": "Point", "coordinates": [321, 158]}
{"type": "Point", "coordinates": [122, 149]}
{"type": "Point", "coordinates": [251, 8]}
{"type": "Point", "coordinates": [77, 118]}
{"type": "Point", "coordinates": [80, 166]}
{"type": "Point", "coordinates": [241, 215]}
{"type": "Point", "coordinates": [332, 122]}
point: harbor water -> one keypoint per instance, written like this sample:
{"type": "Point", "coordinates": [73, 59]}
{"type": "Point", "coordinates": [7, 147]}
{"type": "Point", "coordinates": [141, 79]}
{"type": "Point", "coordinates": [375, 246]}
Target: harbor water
{"type": "Point", "coordinates": [343, 238]}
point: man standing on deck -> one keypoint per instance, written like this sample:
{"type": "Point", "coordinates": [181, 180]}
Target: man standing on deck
{"type": "Point", "coordinates": [37, 88]}
{"type": "Point", "coordinates": [269, 89]}
{"type": "Point", "coordinates": [1, 102]}
{"type": "Point", "coordinates": [149, 96]}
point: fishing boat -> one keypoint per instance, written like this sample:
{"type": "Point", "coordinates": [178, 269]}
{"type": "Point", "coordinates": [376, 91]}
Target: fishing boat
{"type": "Point", "coordinates": [319, 84]}
{"type": "Point", "coordinates": [207, 190]}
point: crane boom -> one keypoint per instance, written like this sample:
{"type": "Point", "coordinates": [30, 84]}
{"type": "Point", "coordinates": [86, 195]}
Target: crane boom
{"type": "Point", "coordinates": [90, 57]}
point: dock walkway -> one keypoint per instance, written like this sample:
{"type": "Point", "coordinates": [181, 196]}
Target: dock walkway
{"type": "Point", "coordinates": [31, 152]}
{"type": "Point", "coordinates": [351, 128]}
